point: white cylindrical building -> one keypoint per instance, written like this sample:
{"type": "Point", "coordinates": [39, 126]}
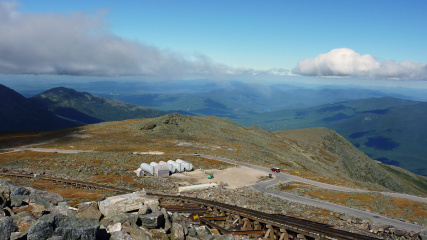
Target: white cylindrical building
{"type": "Point", "coordinates": [147, 168]}
{"type": "Point", "coordinates": [170, 166]}
{"type": "Point", "coordinates": [178, 166]}
{"type": "Point", "coordinates": [187, 166]}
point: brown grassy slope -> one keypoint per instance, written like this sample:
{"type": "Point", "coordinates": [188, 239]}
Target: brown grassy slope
{"type": "Point", "coordinates": [317, 153]}
{"type": "Point", "coordinates": [334, 153]}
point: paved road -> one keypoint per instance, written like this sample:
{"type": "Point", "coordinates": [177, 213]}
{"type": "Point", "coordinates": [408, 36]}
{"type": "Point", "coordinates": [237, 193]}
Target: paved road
{"type": "Point", "coordinates": [283, 177]}
{"type": "Point", "coordinates": [376, 218]}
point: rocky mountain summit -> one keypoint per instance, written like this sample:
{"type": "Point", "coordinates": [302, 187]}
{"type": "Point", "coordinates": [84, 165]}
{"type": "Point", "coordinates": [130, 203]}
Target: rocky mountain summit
{"type": "Point", "coordinates": [27, 213]}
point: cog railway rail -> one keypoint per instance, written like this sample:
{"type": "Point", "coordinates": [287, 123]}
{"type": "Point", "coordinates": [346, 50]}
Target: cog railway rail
{"type": "Point", "coordinates": [274, 226]}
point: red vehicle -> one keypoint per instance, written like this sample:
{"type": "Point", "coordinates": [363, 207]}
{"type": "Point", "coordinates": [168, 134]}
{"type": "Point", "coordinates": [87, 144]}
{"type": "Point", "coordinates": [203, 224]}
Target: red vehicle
{"type": "Point", "coordinates": [275, 169]}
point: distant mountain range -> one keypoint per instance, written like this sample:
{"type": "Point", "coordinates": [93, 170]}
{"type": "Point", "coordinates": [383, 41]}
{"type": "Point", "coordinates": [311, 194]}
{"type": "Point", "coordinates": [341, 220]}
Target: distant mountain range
{"type": "Point", "coordinates": [62, 107]}
{"type": "Point", "coordinates": [87, 108]}
{"type": "Point", "coordinates": [18, 113]}
{"type": "Point", "coordinates": [390, 130]}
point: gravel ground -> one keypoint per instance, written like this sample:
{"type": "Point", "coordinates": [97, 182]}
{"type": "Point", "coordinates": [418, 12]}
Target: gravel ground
{"type": "Point", "coordinates": [231, 178]}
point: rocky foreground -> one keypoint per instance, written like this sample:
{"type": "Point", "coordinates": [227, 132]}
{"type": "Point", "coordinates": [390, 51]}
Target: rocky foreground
{"type": "Point", "coordinates": [28, 213]}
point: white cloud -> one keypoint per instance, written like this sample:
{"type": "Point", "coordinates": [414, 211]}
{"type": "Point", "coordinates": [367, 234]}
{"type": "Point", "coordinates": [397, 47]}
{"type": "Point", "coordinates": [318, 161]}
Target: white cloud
{"type": "Point", "coordinates": [81, 44]}
{"type": "Point", "coordinates": [345, 62]}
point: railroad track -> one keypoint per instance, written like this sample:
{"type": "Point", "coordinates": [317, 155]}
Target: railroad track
{"type": "Point", "coordinates": [310, 228]}
{"type": "Point", "coordinates": [77, 183]}
{"type": "Point", "coordinates": [297, 224]}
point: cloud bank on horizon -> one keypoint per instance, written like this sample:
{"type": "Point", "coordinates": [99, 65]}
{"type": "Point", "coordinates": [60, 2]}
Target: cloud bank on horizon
{"type": "Point", "coordinates": [80, 44]}
{"type": "Point", "coordinates": [344, 62]}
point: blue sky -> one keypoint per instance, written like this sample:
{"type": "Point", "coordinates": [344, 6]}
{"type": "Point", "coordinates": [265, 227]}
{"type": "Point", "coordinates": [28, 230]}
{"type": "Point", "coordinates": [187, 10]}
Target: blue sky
{"type": "Point", "coordinates": [357, 39]}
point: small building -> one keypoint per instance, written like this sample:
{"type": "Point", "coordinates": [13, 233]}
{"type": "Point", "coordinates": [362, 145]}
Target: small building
{"type": "Point", "coordinates": [161, 170]}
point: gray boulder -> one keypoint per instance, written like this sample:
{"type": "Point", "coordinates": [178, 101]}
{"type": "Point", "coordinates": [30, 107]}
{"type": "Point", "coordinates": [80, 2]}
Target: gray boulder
{"type": "Point", "coordinates": [42, 229]}
{"type": "Point", "coordinates": [20, 191]}
{"type": "Point", "coordinates": [121, 235]}
{"type": "Point", "coordinates": [58, 225]}
{"type": "Point", "coordinates": [159, 234]}
{"type": "Point", "coordinates": [4, 195]}
{"type": "Point", "coordinates": [423, 235]}
{"type": "Point", "coordinates": [168, 224]}
{"type": "Point", "coordinates": [138, 233]}
{"type": "Point", "coordinates": [224, 237]}
{"type": "Point", "coordinates": [152, 220]}
{"type": "Point", "coordinates": [8, 185]}
{"type": "Point", "coordinates": [177, 231]}
{"type": "Point", "coordinates": [127, 219]}
{"type": "Point", "coordinates": [192, 232]}
{"type": "Point", "coordinates": [145, 209]}
{"type": "Point", "coordinates": [203, 232]}
{"type": "Point", "coordinates": [56, 238]}
{"type": "Point", "coordinates": [2, 213]}
{"type": "Point", "coordinates": [89, 211]}
{"type": "Point", "coordinates": [19, 200]}
{"type": "Point", "coordinates": [54, 198]}
{"type": "Point", "coordinates": [18, 236]}
{"type": "Point", "coordinates": [6, 227]}
{"type": "Point", "coordinates": [23, 220]}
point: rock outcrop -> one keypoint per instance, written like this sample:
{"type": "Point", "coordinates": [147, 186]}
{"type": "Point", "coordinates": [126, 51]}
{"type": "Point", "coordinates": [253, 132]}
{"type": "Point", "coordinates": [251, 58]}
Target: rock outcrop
{"type": "Point", "coordinates": [31, 214]}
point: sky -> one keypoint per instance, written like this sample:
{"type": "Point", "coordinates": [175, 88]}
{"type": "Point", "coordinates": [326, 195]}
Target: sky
{"type": "Point", "coordinates": [382, 40]}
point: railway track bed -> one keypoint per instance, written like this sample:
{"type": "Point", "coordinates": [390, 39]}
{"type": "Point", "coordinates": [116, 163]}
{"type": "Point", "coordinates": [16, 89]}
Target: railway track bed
{"type": "Point", "coordinates": [272, 226]}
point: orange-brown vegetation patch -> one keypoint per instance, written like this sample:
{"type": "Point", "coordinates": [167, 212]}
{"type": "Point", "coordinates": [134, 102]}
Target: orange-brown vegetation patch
{"type": "Point", "coordinates": [75, 196]}
{"type": "Point", "coordinates": [328, 156]}
{"type": "Point", "coordinates": [113, 179]}
{"type": "Point", "coordinates": [391, 207]}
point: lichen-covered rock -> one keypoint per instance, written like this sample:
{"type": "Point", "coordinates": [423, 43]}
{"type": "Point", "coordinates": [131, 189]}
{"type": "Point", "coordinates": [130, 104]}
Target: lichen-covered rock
{"type": "Point", "coordinates": [124, 218]}
{"type": "Point", "coordinates": [202, 232]}
{"type": "Point", "coordinates": [121, 235]}
{"type": "Point", "coordinates": [159, 234]}
{"type": "Point", "coordinates": [181, 219]}
{"type": "Point", "coordinates": [145, 209]}
{"type": "Point", "coordinates": [6, 228]}
{"type": "Point", "coordinates": [2, 213]}
{"type": "Point", "coordinates": [63, 226]}
{"type": "Point", "coordinates": [90, 211]}
{"type": "Point", "coordinates": [152, 220]}
{"type": "Point", "coordinates": [23, 220]}
{"type": "Point", "coordinates": [51, 197]}
{"type": "Point", "coordinates": [168, 223]}
{"type": "Point", "coordinates": [18, 236]}
{"type": "Point", "coordinates": [20, 191]}
{"type": "Point", "coordinates": [4, 194]}
{"type": "Point", "coordinates": [42, 229]}
{"type": "Point", "coordinates": [177, 231]}
{"type": "Point", "coordinates": [138, 233]}
{"type": "Point", "coordinates": [192, 232]}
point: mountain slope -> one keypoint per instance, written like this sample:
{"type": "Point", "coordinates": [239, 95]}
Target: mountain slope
{"type": "Point", "coordinates": [17, 113]}
{"type": "Point", "coordinates": [395, 135]}
{"type": "Point", "coordinates": [388, 129]}
{"type": "Point", "coordinates": [88, 108]}
{"type": "Point", "coordinates": [313, 152]}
